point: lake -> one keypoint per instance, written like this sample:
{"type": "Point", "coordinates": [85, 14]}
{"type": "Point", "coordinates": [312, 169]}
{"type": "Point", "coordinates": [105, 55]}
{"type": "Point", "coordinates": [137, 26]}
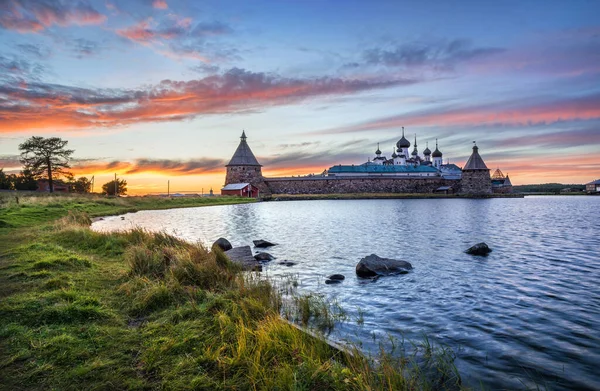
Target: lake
{"type": "Point", "coordinates": [529, 312]}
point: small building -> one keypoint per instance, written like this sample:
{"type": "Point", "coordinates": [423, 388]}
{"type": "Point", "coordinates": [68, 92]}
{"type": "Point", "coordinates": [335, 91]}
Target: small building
{"type": "Point", "coordinates": [593, 187]}
{"type": "Point", "coordinates": [240, 189]}
{"type": "Point", "coordinates": [58, 185]}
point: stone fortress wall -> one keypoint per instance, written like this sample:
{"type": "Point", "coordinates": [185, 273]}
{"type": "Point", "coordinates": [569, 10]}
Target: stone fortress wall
{"type": "Point", "coordinates": [347, 185]}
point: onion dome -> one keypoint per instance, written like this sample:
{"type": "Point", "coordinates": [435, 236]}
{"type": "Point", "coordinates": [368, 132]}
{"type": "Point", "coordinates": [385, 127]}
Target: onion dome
{"type": "Point", "coordinates": [403, 142]}
{"type": "Point", "coordinates": [414, 152]}
{"type": "Point", "coordinates": [394, 154]}
{"type": "Point", "coordinates": [378, 152]}
{"type": "Point", "coordinates": [437, 152]}
{"type": "Point", "coordinates": [427, 151]}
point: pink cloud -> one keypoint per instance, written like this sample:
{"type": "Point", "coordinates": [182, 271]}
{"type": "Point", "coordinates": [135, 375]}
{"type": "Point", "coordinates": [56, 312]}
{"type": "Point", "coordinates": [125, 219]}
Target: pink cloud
{"type": "Point", "coordinates": [160, 4]}
{"type": "Point", "coordinates": [33, 17]}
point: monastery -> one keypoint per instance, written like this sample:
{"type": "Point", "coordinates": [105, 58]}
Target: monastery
{"type": "Point", "coordinates": [403, 172]}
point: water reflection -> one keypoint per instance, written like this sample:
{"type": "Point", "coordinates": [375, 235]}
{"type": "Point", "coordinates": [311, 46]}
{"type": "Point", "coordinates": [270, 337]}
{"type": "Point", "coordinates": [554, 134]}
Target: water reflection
{"type": "Point", "coordinates": [527, 312]}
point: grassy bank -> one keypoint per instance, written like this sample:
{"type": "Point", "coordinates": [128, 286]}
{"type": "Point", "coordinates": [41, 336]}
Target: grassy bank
{"type": "Point", "coordinates": [87, 310]}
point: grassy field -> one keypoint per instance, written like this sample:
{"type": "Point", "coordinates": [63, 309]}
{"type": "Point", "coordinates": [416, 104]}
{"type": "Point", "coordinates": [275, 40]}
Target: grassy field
{"type": "Point", "coordinates": [109, 311]}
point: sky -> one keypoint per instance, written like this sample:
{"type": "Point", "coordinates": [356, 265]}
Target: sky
{"type": "Point", "coordinates": [160, 90]}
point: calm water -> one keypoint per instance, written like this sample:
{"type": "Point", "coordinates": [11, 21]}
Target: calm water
{"type": "Point", "coordinates": [529, 311]}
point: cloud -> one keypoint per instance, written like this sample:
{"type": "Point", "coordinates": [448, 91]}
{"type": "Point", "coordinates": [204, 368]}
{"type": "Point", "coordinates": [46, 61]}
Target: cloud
{"type": "Point", "coordinates": [38, 51]}
{"type": "Point", "coordinates": [437, 55]}
{"type": "Point", "coordinates": [508, 113]}
{"type": "Point", "coordinates": [37, 105]}
{"type": "Point", "coordinates": [84, 47]}
{"type": "Point", "coordinates": [176, 36]}
{"type": "Point", "coordinates": [160, 4]}
{"type": "Point", "coordinates": [10, 161]}
{"type": "Point", "coordinates": [16, 69]}
{"type": "Point", "coordinates": [561, 139]}
{"type": "Point", "coordinates": [30, 16]}
{"type": "Point", "coordinates": [160, 166]}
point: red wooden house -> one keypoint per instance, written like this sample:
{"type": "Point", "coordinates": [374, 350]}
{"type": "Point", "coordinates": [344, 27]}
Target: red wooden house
{"type": "Point", "coordinates": [240, 189]}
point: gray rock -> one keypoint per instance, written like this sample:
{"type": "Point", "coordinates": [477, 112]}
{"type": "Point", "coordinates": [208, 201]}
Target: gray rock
{"type": "Point", "coordinates": [479, 249]}
{"type": "Point", "coordinates": [243, 256]}
{"type": "Point", "coordinates": [287, 263]}
{"type": "Point", "coordinates": [373, 265]}
{"type": "Point", "coordinates": [223, 244]}
{"type": "Point", "coordinates": [263, 243]}
{"type": "Point", "coordinates": [338, 277]}
{"type": "Point", "coordinates": [263, 257]}
{"type": "Point", "coordinates": [330, 281]}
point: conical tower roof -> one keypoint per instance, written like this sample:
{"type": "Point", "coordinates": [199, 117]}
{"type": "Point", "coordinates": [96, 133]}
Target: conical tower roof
{"type": "Point", "coordinates": [475, 162]}
{"type": "Point", "coordinates": [243, 155]}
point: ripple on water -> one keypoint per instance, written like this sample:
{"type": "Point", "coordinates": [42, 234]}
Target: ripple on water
{"type": "Point", "coordinates": [528, 313]}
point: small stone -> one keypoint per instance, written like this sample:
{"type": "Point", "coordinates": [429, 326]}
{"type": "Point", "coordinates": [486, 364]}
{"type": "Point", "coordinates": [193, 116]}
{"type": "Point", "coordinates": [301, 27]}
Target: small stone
{"type": "Point", "coordinates": [263, 243]}
{"type": "Point", "coordinates": [338, 277]}
{"type": "Point", "coordinates": [479, 249]}
{"type": "Point", "coordinates": [330, 281]}
{"type": "Point", "coordinates": [287, 263]}
{"type": "Point", "coordinates": [223, 244]}
{"type": "Point", "coordinates": [264, 257]}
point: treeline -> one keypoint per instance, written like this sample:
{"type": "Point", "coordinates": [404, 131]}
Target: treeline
{"type": "Point", "coordinates": [549, 188]}
{"type": "Point", "coordinates": [25, 180]}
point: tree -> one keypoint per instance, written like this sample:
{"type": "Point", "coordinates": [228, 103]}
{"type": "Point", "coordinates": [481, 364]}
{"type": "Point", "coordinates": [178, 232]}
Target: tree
{"type": "Point", "coordinates": [24, 181]}
{"type": "Point", "coordinates": [109, 188]}
{"type": "Point", "coordinates": [46, 157]}
{"type": "Point", "coordinates": [81, 185]}
{"type": "Point", "coordinates": [5, 181]}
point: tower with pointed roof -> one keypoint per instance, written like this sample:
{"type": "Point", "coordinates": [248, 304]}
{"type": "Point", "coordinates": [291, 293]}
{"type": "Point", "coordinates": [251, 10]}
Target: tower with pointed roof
{"type": "Point", "coordinates": [475, 175]}
{"type": "Point", "coordinates": [243, 166]}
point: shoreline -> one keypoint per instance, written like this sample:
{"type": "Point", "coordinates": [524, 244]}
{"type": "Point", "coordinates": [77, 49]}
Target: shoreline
{"type": "Point", "coordinates": [376, 196]}
{"type": "Point", "coordinates": [136, 310]}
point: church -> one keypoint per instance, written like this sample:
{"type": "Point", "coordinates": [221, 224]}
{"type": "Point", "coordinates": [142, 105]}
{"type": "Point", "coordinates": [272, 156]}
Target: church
{"type": "Point", "coordinates": [402, 163]}
{"type": "Point", "coordinates": [404, 172]}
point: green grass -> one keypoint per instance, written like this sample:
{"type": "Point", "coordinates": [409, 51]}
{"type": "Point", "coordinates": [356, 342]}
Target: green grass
{"type": "Point", "coordinates": [135, 310]}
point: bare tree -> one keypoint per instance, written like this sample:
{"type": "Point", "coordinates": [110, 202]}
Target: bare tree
{"type": "Point", "coordinates": [46, 157]}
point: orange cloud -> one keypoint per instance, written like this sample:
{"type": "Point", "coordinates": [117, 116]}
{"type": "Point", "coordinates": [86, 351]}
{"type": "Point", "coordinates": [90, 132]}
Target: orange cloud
{"type": "Point", "coordinates": [151, 166]}
{"type": "Point", "coordinates": [49, 106]}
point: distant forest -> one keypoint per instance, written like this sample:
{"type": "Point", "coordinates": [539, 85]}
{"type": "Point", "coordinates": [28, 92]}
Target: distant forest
{"type": "Point", "coordinates": [548, 188]}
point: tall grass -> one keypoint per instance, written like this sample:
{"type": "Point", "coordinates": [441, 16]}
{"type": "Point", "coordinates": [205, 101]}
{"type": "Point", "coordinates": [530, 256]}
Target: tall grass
{"type": "Point", "coordinates": [149, 311]}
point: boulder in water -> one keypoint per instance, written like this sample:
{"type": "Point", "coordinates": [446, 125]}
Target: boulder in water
{"type": "Point", "coordinates": [223, 244]}
{"type": "Point", "coordinates": [338, 277]}
{"type": "Point", "coordinates": [263, 243]}
{"type": "Point", "coordinates": [330, 281]}
{"type": "Point", "coordinates": [479, 249]}
{"type": "Point", "coordinates": [373, 265]}
{"type": "Point", "coordinates": [264, 257]}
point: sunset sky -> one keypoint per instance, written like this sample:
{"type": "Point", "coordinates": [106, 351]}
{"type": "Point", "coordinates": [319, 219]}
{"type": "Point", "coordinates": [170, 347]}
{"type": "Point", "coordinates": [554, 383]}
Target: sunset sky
{"type": "Point", "coordinates": [161, 90]}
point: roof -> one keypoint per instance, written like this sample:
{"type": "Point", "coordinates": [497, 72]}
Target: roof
{"type": "Point", "coordinates": [475, 162]}
{"type": "Point", "coordinates": [442, 188]}
{"type": "Point", "coordinates": [243, 155]}
{"type": "Point", "coordinates": [596, 182]}
{"type": "Point", "coordinates": [381, 169]}
{"type": "Point", "coordinates": [450, 167]}
{"type": "Point", "coordinates": [403, 142]}
{"type": "Point", "coordinates": [235, 186]}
